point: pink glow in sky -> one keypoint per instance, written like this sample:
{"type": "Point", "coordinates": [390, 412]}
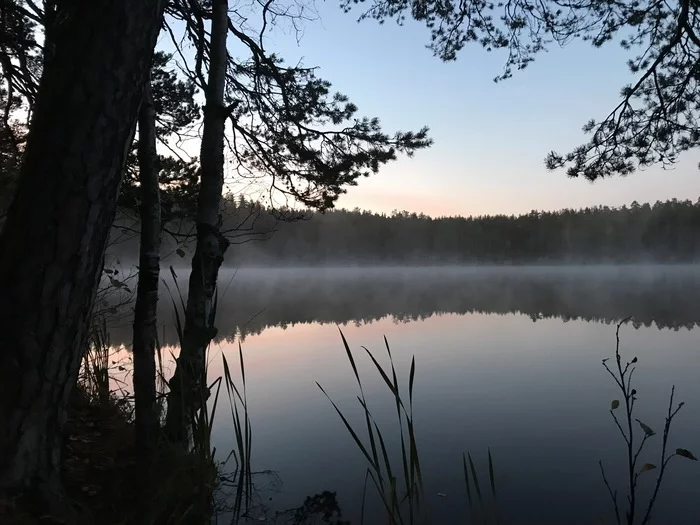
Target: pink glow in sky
{"type": "Point", "coordinates": [490, 139]}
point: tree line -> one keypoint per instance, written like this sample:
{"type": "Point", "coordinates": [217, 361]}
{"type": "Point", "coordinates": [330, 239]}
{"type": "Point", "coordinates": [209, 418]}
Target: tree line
{"type": "Point", "coordinates": [663, 232]}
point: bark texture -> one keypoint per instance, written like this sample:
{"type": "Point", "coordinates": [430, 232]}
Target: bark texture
{"type": "Point", "coordinates": [52, 246]}
{"type": "Point", "coordinates": [145, 315]}
{"type": "Point", "coordinates": [187, 387]}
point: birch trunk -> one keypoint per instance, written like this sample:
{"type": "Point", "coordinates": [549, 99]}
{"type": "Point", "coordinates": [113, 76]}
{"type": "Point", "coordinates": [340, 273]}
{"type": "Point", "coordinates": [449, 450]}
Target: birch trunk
{"type": "Point", "coordinates": [188, 383]}
{"type": "Point", "coordinates": [145, 314]}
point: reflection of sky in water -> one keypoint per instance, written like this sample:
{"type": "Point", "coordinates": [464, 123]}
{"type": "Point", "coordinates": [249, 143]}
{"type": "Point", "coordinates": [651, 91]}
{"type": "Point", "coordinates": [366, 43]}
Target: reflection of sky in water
{"type": "Point", "coordinates": [535, 392]}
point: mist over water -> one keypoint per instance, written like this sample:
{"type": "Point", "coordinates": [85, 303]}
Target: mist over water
{"type": "Point", "coordinates": [251, 300]}
{"type": "Point", "coordinates": [507, 358]}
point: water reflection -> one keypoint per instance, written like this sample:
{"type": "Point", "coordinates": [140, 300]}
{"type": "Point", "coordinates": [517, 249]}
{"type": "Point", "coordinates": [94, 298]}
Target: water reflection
{"type": "Point", "coordinates": [253, 300]}
{"type": "Point", "coordinates": [534, 392]}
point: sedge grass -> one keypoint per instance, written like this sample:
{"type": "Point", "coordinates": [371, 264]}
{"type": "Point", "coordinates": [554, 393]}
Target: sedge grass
{"type": "Point", "coordinates": [400, 496]}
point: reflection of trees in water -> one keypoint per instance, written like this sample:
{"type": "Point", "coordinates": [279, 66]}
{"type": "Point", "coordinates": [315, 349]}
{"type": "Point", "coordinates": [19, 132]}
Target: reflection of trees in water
{"type": "Point", "coordinates": [667, 297]}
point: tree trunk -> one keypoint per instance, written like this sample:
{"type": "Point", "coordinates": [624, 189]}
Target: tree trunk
{"type": "Point", "coordinates": [52, 245]}
{"type": "Point", "coordinates": [188, 383]}
{"type": "Point", "coordinates": [145, 314]}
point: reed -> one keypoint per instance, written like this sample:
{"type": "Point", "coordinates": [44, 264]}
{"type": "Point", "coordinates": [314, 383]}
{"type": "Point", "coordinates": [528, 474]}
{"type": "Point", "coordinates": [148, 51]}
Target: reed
{"type": "Point", "coordinates": [202, 417]}
{"type": "Point", "coordinates": [399, 486]}
{"type": "Point", "coordinates": [480, 510]}
{"type": "Point", "coordinates": [94, 372]}
{"type": "Point", "coordinates": [243, 474]}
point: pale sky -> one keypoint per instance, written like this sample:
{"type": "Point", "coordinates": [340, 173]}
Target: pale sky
{"type": "Point", "coordinates": [490, 139]}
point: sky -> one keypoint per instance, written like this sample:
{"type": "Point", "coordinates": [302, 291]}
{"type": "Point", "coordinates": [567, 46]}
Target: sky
{"type": "Point", "coordinates": [490, 139]}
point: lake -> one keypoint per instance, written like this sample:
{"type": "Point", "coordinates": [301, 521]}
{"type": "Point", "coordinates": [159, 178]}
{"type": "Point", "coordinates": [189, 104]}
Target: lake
{"type": "Point", "coordinates": [507, 358]}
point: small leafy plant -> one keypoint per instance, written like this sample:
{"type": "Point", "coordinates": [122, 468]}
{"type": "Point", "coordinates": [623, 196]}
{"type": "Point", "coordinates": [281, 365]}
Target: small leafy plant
{"type": "Point", "coordinates": [622, 375]}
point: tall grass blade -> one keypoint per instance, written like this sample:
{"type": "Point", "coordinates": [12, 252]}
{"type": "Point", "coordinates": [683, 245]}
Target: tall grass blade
{"type": "Point", "coordinates": [411, 377]}
{"type": "Point", "coordinates": [370, 431]}
{"type": "Point", "coordinates": [176, 313]}
{"type": "Point", "coordinates": [350, 358]}
{"type": "Point", "coordinates": [415, 458]}
{"type": "Point", "coordinates": [382, 497]}
{"type": "Point", "coordinates": [466, 483]}
{"type": "Point", "coordinates": [382, 373]}
{"type": "Point", "coordinates": [372, 441]}
{"type": "Point", "coordinates": [242, 434]}
{"type": "Point", "coordinates": [396, 511]}
{"type": "Point", "coordinates": [177, 285]}
{"type": "Point", "coordinates": [215, 403]}
{"type": "Point", "coordinates": [475, 478]}
{"type": "Point", "coordinates": [347, 426]}
{"type": "Point", "coordinates": [228, 380]}
{"type": "Point", "coordinates": [393, 370]}
{"type": "Point", "coordinates": [364, 497]}
{"type": "Point", "coordinates": [492, 478]}
{"type": "Point", "coordinates": [408, 475]}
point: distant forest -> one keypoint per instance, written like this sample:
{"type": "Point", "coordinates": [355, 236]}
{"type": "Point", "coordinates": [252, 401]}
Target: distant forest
{"type": "Point", "coordinates": [663, 232]}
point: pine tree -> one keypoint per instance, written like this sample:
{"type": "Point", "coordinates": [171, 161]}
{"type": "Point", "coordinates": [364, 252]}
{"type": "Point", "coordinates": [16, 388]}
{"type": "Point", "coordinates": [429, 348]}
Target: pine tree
{"type": "Point", "coordinates": [658, 115]}
{"type": "Point", "coordinates": [95, 64]}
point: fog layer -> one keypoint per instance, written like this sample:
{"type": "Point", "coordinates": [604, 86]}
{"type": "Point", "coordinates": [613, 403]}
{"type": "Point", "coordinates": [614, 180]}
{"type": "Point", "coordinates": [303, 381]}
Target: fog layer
{"type": "Point", "coordinates": [252, 300]}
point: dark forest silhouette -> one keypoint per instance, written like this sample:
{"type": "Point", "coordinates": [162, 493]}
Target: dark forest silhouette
{"type": "Point", "coordinates": [661, 232]}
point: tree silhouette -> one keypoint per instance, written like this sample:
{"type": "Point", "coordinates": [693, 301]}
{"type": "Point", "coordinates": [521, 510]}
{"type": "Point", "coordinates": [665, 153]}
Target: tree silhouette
{"type": "Point", "coordinates": [663, 232]}
{"type": "Point", "coordinates": [657, 117]}
{"type": "Point", "coordinates": [96, 58]}
{"type": "Point", "coordinates": [279, 124]}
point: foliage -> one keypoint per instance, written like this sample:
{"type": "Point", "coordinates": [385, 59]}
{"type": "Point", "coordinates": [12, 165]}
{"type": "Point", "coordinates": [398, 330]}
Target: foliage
{"type": "Point", "coordinates": [20, 53]}
{"type": "Point", "coordinates": [381, 470]}
{"type": "Point", "coordinates": [20, 69]}
{"type": "Point", "coordinates": [238, 403]}
{"type": "Point", "coordinates": [663, 232]}
{"type": "Point", "coordinates": [622, 375]}
{"type": "Point", "coordinates": [13, 134]}
{"type": "Point", "coordinates": [399, 487]}
{"type": "Point", "coordinates": [95, 369]}
{"type": "Point", "coordinates": [287, 127]}
{"type": "Point", "coordinates": [173, 97]}
{"type": "Point", "coordinates": [176, 113]}
{"type": "Point", "coordinates": [657, 117]}
{"type": "Point", "coordinates": [481, 513]}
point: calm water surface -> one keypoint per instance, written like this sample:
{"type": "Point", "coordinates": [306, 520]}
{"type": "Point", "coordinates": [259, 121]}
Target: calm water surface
{"type": "Point", "coordinates": [506, 358]}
